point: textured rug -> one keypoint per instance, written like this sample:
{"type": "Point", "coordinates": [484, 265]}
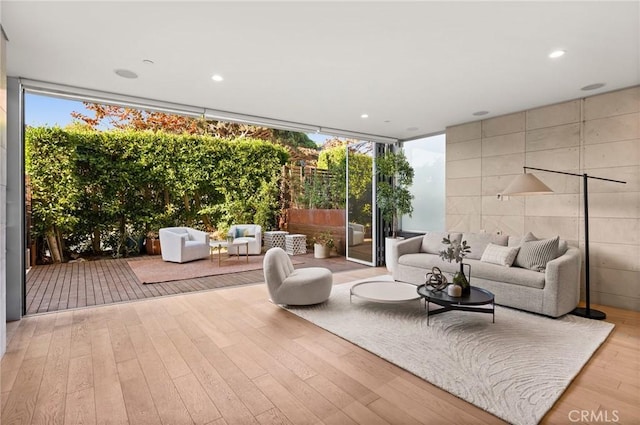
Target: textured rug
{"type": "Point", "coordinates": [156, 270]}
{"type": "Point", "coordinates": [515, 369]}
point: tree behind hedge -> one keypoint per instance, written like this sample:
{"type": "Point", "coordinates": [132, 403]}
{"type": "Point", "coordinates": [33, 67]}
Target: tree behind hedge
{"type": "Point", "coordinates": [96, 189]}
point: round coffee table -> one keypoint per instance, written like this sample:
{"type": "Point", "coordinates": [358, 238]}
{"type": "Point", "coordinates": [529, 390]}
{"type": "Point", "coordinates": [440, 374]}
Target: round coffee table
{"type": "Point", "coordinates": [477, 297]}
{"type": "Point", "coordinates": [384, 291]}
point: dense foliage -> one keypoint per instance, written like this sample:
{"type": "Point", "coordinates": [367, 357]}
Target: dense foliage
{"type": "Point", "coordinates": [334, 160]}
{"type": "Point", "coordinates": [95, 191]}
{"type": "Point", "coordinates": [393, 195]}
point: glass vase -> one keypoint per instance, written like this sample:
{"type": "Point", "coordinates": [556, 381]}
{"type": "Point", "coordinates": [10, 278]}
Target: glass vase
{"type": "Point", "coordinates": [459, 278]}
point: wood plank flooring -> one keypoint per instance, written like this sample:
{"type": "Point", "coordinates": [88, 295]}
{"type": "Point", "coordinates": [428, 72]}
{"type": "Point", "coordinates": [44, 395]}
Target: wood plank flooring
{"type": "Point", "coordinates": [71, 285]}
{"type": "Point", "coordinates": [228, 356]}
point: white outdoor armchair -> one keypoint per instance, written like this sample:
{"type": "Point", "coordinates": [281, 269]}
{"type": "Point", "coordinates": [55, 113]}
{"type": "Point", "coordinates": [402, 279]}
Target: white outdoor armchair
{"type": "Point", "coordinates": [356, 234]}
{"type": "Point", "coordinates": [250, 233]}
{"type": "Point", "coordinates": [182, 244]}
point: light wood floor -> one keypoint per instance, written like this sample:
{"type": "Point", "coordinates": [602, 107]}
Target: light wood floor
{"type": "Point", "coordinates": [228, 356]}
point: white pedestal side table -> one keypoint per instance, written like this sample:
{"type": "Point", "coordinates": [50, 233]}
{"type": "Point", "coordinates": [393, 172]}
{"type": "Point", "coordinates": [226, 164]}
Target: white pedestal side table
{"type": "Point", "coordinates": [295, 244]}
{"type": "Point", "coordinates": [274, 238]}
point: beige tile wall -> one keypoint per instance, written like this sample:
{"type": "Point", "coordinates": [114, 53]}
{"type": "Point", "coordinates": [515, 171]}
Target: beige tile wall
{"type": "Point", "coordinates": [597, 135]}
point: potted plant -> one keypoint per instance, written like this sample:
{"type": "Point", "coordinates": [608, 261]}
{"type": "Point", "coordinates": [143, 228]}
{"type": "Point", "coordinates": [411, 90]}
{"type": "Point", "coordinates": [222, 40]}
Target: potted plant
{"type": "Point", "coordinates": [152, 243]}
{"type": "Point", "coordinates": [457, 251]}
{"type": "Point", "coordinates": [392, 195]}
{"type": "Point", "coordinates": [322, 245]}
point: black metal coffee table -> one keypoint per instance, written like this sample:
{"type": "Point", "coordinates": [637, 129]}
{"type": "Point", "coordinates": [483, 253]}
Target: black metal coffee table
{"type": "Point", "coordinates": [477, 297]}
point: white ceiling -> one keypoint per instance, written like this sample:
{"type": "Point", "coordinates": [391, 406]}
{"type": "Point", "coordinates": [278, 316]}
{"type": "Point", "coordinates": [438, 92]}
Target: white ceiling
{"type": "Point", "coordinates": [413, 67]}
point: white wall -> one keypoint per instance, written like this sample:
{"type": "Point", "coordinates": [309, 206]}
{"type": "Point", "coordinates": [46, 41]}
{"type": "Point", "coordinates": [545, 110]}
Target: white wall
{"type": "Point", "coordinates": [597, 135]}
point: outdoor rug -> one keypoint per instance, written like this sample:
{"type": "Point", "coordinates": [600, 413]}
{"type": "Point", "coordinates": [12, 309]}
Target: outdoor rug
{"type": "Point", "coordinates": [515, 369]}
{"type": "Point", "coordinates": [156, 270]}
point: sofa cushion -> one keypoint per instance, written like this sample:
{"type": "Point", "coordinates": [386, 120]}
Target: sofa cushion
{"type": "Point", "coordinates": [500, 255]}
{"type": "Point", "coordinates": [427, 262]}
{"type": "Point", "coordinates": [432, 241]}
{"type": "Point", "coordinates": [479, 241]}
{"type": "Point", "coordinates": [534, 255]}
{"type": "Point", "coordinates": [514, 275]}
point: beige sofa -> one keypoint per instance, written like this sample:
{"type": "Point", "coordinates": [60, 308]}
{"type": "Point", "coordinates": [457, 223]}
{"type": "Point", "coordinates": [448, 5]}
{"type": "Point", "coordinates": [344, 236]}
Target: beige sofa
{"type": "Point", "coordinates": [554, 292]}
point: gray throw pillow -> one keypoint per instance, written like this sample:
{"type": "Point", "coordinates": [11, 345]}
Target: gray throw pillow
{"type": "Point", "coordinates": [432, 241]}
{"type": "Point", "coordinates": [534, 255]}
{"type": "Point", "coordinates": [479, 241]}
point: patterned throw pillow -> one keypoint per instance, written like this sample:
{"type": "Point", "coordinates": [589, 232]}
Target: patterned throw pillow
{"type": "Point", "coordinates": [535, 255]}
{"type": "Point", "coordinates": [501, 255]}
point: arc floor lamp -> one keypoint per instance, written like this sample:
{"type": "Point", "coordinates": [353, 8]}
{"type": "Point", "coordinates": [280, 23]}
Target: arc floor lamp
{"type": "Point", "coordinates": [528, 184]}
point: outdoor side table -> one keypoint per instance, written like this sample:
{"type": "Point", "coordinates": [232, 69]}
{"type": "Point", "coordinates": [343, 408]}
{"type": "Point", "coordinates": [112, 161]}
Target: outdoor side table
{"type": "Point", "coordinates": [274, 238]}
{"type": "Point", "coordinates": [295, 244]}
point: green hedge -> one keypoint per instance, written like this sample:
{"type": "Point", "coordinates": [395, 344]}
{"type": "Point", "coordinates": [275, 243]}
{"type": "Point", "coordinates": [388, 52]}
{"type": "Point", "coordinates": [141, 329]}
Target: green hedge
{"type": "Point", "coordinates": [94, 190]}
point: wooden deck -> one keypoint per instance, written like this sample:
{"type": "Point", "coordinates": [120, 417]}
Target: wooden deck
{"type": "Point", "coordinates": [71, 285]}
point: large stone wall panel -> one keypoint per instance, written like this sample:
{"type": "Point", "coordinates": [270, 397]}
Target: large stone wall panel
{"type": "Point", "coordinates": [469, 186]}
{"type": "Point", "coordinates": [503, 145]}
{"type": "Point", "coordinates": [549, 227]}
{"type": "Point", "coordinates": [564, 136]}
{"type": "Point", "coordinates": [464, 132]}
{"type": "Point", "coordinates": [464, 150]}
{"type": "Point", "coordinates": [612, 129]}
{"type": "Point", "coordinates": [615, 154]}
{"type": "Point", "coordinates": [554, 115]}
{"type": "Point", "coordinates": [464, 168]}
{"type": "Point", "coordinates": [504, 124]}
{"type": "Point", "coordinates": [620, 102]}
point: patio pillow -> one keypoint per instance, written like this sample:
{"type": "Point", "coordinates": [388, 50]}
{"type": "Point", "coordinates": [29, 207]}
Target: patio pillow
{"type": "Point", "coordinates": [534, 255]}
{"type": "Point", "coordinates": [501, 255]}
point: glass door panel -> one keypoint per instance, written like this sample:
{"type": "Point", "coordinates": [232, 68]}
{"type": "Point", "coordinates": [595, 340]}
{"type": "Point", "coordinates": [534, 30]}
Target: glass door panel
{"type": "Point", "coordinates": [360, 203]}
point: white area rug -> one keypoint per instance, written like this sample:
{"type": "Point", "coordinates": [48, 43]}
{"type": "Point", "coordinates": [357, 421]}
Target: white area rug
{"type": "Point", "coordinates": [515, 369]}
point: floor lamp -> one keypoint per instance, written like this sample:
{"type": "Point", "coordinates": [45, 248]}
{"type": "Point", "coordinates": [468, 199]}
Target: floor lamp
{"type": "Point", "coordinates": [528, 184]}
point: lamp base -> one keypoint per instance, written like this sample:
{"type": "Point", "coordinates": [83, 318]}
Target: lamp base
{"type": "Point", "coordinates": [593, 314]}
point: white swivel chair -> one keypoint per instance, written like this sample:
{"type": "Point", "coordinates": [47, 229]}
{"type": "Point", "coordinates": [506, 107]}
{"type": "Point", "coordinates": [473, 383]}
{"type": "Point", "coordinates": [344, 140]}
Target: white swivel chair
{"type": "Point", "coordinates": [250, 233]}
{"type": "Point", "coordinates": [182, 244]}
{"type": "Point", "coordinates": [286, 285]}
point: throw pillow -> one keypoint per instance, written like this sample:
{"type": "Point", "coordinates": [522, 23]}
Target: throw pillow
{"type": "Point", "coordinates": [479, 241]}
{"type": "Point", "coordinates": [239, 232]}
{"type": "Point", "coordinates": [501, 255]}
{"type": "Point", "coordinates": [432, 241]}
{"type": "Point", "coordinates": [534, 255]}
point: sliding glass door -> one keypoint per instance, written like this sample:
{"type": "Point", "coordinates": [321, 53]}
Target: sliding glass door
{"type": "Point", "coordinates": [361, 223]}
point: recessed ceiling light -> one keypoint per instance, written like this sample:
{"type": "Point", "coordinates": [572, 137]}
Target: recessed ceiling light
{"type": "Point", "coordinates": [593, 86]}
{"type": "Point", "coordinates": [217, 77]}
{"type": "Point", "coordinates": [556, 54]}
{"type": "Point", "coordinates": [364, 116]}
{"type": "Point", "coordinates": [125, 73]}
{"type": "Point", "coordinates": [480, 113]}
{"type": "Point", "coordinates": [147, 61]}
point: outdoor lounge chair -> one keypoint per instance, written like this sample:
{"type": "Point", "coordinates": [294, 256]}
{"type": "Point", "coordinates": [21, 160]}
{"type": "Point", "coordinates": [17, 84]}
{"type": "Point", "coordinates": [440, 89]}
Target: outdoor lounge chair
{"type": "Point", "coordinates": [250, 233]}
{"type": "Point", "coordinates": [182, 244]}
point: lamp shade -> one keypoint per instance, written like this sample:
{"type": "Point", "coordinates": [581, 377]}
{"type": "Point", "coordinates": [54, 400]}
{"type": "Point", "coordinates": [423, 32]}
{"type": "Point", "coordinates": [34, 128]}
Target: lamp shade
{"type": "Point", "coordinates": [526, 184]}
